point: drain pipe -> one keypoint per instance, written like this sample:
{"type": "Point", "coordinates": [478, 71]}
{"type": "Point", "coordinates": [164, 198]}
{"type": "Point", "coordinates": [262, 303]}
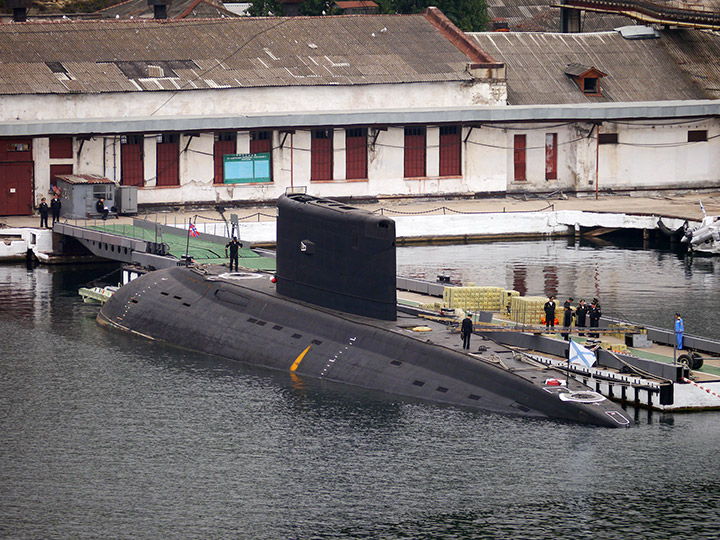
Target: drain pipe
{"type": "Point", "coordinates": [597, 163]}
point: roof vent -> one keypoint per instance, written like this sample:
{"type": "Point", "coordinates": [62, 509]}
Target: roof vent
{"type": "Point", "coordinates": [499, 25]}
{"type": "Point", "coordinates": [586, 77]}
{"type": "Point", "coordinates": [159, 8]}
{"type": "Point", "coordinates": [19, 9]}
{"type": "Point", "coordinates": [638, 32]}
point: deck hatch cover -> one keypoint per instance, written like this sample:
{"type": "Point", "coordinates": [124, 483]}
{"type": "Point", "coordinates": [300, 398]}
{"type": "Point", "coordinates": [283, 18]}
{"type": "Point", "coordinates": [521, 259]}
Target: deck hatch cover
{"type": "Point", "coordinates": [232, 297]}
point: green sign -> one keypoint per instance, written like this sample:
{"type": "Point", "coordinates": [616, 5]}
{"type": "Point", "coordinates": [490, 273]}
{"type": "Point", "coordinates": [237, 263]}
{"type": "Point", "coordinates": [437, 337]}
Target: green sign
{"type": "Point", "coordinates": [246, 168]}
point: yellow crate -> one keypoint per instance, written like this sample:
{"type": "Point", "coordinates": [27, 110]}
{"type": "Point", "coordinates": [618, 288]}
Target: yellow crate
{"type": "Point", "coordinates": [527, 309]}
{"type": "Point", "coordinates": [474, 298]}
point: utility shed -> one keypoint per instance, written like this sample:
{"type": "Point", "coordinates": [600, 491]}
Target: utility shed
{"type": "Point", "coordinates": [80, 192]}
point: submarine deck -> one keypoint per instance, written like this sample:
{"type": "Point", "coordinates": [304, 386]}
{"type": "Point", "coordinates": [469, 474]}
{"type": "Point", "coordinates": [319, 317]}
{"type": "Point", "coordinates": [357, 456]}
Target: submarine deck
{"type": "Point", "coordinates": [429, 328]}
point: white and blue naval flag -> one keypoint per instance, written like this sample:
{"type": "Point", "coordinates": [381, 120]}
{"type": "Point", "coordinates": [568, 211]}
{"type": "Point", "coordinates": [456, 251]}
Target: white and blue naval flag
{"type": "Point", "coordinates": [581, 355]}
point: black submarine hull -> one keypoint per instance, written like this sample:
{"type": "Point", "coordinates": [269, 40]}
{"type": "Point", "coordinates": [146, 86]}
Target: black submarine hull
{"type": "Point", "coordinates": [241, 317]}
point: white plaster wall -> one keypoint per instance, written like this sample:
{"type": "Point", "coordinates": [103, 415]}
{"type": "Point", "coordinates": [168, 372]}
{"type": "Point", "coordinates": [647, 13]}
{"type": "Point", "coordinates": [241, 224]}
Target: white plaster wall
{"type": "Point", "coordinates": [386, 161]}
{"type": "Point", "coordinates": [197, 168]}
{"type": "Point", "coordinates": [576, 157]}
{"type": "Point", "coordinates": [242, 142]}
{"type": "Point", "coordinates": [339, 155]}
{"type": "Point", "coordinates": [432, 153]}
{"type": "Point", "coordinates": [41, 157]}
{"type": "Point", "coordinates": [247, 101]}
{"type": "Point", "coordinates": [585, 156]}
{"type": "Point", "coordinates": [149, 161]}
{"type": "Point", "coordinates": [91, 159]}
{"type": "Point", "coordinates": [656, 156]}
{"type": "Point", "coordinates": [484, 159]}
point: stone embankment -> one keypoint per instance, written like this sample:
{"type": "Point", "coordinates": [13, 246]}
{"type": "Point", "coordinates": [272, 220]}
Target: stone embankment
{"type": "Point", "coordinates": [461, 220]}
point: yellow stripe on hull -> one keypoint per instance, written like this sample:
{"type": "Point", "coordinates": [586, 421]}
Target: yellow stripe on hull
{"type": "Point", "coordinates": [297, 361]}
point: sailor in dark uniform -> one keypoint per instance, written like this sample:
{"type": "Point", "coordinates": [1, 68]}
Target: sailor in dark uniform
{"type": "Point", "coordinates": [595, 315]}
{"type": "Point", "coordinates": [43, 208]}
{"type": "Point", "coordinates": [568, 315]}
{"type": "Point", "coordinates": [234, 246]}
{"type": "Point", "coordinates": [466, 330]}
{"type": "Point", "coordinates": [100, 207]}
{"type": "Point", "coordinates": [55, 206]}
{"type": "Point", "coordinates": [549, 308]}
{"type": "Point", "coordinates": [581, 316]}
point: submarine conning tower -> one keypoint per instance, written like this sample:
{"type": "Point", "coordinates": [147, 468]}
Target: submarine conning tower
{"type": "Point", "coordinates": [336, 256]}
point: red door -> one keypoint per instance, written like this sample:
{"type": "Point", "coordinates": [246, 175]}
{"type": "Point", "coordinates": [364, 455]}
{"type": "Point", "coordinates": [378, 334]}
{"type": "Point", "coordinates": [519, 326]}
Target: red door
{"type": "Point", "coordinates": [223, 146]}
{"type": "Point", "coordinates": [321, 153]}
{"type": "Point", "coordinates": [16, 189]}
{"type": "Point", "coordinates": [168, 154]}
{"type": "Point", "coordinates": [131, 161]}
{"type": "Point", "coordinates": [519, 157]}
{"type": "Point", "coordinates": [415, 152]}
{"type": "Point", "coordinates": [449, 151]}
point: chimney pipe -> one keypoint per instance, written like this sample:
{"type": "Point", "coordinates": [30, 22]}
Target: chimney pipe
{"type": "Point", "coordinates": [19, 9]}
{"type": "Point", "coordinates": [20, 14]}
{"type": "Point", "coordinates": [159, 8]}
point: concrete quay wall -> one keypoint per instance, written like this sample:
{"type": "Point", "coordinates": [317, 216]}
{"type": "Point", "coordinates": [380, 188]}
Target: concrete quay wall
{"type": "Point", "coordinates": [464, 227]}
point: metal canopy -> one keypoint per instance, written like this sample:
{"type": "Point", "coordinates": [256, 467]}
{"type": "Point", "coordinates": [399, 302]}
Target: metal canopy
{"type": "Point", "coordinates": [594, 112]}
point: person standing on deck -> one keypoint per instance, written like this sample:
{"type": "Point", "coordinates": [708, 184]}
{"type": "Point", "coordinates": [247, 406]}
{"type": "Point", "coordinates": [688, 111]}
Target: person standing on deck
{"type": "Point", "coordinates": [568, 315]}
{"type": "Point", "coordinates": [466, 330]}
{"type": "Point", "coordinates": [595, 315]}
{"type": "Point", "coordinates": [679, 331]}
{"type": "Point", "coordinates": [234, 246]}
{"type": "Point", "coordinates": [581, 316]}
{"type": "Point", "coordinates": [549, 309]}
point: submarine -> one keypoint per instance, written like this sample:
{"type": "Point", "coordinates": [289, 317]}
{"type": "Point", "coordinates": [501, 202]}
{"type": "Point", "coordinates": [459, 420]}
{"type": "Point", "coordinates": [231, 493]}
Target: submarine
{"type": "Point", "coordinates": [330, 312]}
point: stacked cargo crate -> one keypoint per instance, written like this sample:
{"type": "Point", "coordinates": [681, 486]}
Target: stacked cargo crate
{"type": "Point", "coordinates": [475, 298]}
{"type": "Point", "coordinates": [528, 309]}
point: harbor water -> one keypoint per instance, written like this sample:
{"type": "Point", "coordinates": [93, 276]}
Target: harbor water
{"type": "Point", "coordinates": [104, 435]}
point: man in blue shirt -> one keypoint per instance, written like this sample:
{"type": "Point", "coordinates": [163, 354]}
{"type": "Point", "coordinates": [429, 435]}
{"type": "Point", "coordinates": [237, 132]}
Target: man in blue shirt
{"type": "Point", "coordinates": [679, 330]}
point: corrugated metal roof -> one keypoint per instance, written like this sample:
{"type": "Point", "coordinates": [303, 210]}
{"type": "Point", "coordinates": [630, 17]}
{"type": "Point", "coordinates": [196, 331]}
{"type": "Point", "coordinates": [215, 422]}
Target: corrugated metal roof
{"type": "Point", "coordinates": [178, 9]}
{"type": "Point", "coordinates": [697, 53]}
{"type": "Point", "coordinates": [84, 179]}
{"type": "Point", "coordinates": [110, 56]}
{"type": "Point", "coordinates": [349, 4]}
{"type": "Point", "coordinates": [637, 70]}
{"type": "Point", "coordinates": [541, 16]}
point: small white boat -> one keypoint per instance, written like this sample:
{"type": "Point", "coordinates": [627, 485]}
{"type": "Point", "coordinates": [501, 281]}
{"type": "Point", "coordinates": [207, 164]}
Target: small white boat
{"type": "Point", "coordinates": [706, 237]}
